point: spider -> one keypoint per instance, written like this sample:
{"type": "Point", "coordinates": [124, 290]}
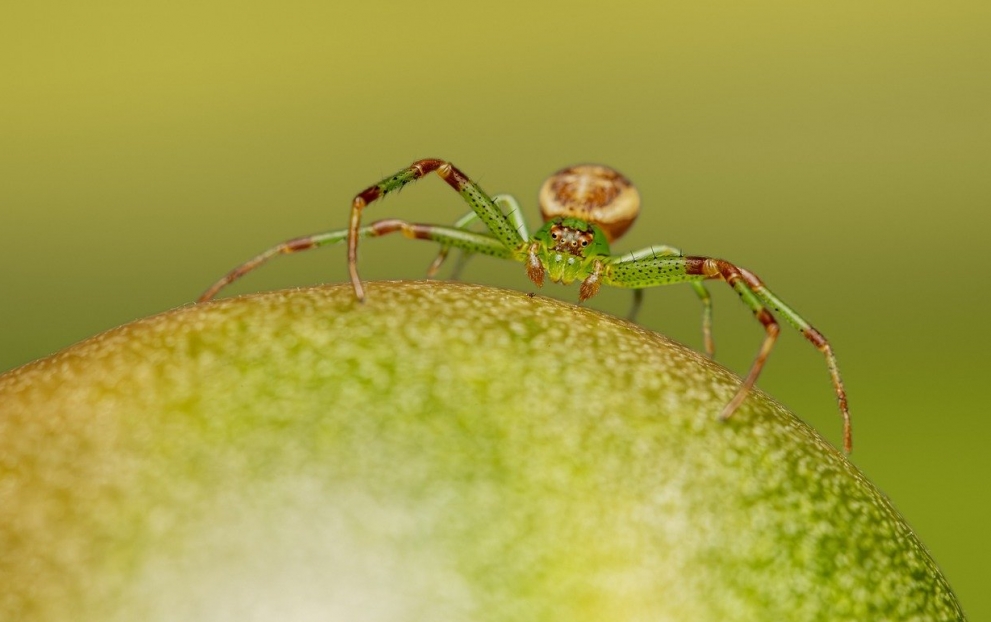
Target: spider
{"type": "Point", "coordinates": [585, 208]}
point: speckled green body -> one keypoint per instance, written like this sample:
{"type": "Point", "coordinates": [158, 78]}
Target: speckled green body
{"type": "Point", "coordinates": [563, 263]}
{"type": "Point", "coordinates": [433, 454]}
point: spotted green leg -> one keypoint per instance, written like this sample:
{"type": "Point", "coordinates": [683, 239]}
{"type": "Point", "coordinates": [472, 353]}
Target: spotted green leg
{"type": "Point", "coordinates": [639, 270]}
{"type": "Point", "coordinates": [468, 241]}
{"type": "Point", "coordinates": [663, 250]}
{"type": "Point", "coordinates": [513, 213]}
{"type": "Point", "coordinates": [500, 227]}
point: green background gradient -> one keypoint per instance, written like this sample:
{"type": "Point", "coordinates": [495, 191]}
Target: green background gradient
{"type": "Point", "coordinates": [840, 150]}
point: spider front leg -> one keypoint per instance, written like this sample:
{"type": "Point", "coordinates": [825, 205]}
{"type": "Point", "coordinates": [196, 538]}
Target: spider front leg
{"type": "Point", "coordinates": [468, 241]}
{"type": "Point", "coordinates": [639, 271]}
{"type": "Point", "coordinates": [488, 212]}
{"type": "Point", "coordinates": [513, 213]}
{"type": "Point", "coordinates": [663, 250]}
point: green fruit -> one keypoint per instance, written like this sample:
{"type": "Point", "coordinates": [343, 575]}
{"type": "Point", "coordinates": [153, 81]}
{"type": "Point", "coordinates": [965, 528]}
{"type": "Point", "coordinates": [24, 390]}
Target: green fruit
{"type": "Point", "coordinates": [442, 452]}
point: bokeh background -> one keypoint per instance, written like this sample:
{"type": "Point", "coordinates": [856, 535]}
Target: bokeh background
{"type": "Point", "coordinates": [840, 150]}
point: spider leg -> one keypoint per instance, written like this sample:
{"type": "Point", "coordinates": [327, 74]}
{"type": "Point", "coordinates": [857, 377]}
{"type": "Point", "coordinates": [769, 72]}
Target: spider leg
{"type": "Point", "coordinates": [663, 250]}
{"type": "Point", "coordinates": [488, 212]}
{"type": "Point", "coordinates": [733, 277]}
{"type": "Point", "coordinates": [631, 315]}
{"type": "Point", "coordinates": [289, 246]}
{"type": "Point", "coordinates": [638, 271]}
{"type": "Point", "coordinates": [513, 213]}
{"type": "Point", "coordinates": [468, 241]}
{"type": "Point", "coordinates": [462, 223]}
{"type": "Point", "coordinates": [817, 339]}
{"type": "Point", "coordinates": [703, 294]}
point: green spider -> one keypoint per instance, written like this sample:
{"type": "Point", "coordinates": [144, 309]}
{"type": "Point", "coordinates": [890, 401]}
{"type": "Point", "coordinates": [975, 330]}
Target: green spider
{"type": "Point", "coordinates": [584, 208]}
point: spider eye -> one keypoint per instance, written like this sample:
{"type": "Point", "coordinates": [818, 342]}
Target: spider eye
{"type": "Point", "coordinates": [584, 242]}
{"type": "Point", "coordinates": [553, 236]}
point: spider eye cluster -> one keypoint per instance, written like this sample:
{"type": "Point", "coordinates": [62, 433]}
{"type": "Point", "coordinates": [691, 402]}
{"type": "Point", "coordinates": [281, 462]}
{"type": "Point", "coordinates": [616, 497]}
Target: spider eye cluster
{"type": "Point", "coordinates": [594, 193]}
{"type": "Point", "coordinates": [570, 240]}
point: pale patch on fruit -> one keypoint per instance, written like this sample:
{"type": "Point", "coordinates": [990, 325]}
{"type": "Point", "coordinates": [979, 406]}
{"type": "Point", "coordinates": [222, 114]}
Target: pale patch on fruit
{"type": "Point", "coordinates": [316, 555]}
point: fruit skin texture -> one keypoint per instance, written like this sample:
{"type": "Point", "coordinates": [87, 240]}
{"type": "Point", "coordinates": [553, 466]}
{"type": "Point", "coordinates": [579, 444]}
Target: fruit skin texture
{"type": "Point", "coordinates": [442, 452]}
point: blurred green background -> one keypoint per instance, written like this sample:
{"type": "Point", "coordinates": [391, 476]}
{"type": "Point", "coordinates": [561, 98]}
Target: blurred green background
{"type": "Point", "coordinates": [840, 150]}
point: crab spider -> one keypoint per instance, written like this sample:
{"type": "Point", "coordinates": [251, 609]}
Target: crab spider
{"type": "Point", "coordinates": [585, 208]}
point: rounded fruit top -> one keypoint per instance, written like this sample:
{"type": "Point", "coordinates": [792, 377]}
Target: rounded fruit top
{"type": "Point", "coordinates": [441, 452]}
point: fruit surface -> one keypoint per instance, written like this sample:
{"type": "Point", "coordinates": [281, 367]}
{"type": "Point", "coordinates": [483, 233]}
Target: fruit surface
{"type": "Point", "coordinates": [441, 452]}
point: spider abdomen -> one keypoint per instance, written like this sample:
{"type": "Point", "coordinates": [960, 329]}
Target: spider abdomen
{"type": "Point", "coordinates": [594, 193]}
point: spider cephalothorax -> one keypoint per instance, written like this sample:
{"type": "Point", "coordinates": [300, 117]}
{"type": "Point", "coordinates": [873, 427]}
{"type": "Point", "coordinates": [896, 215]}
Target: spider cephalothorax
{"type": "Point", "coordinates": [585, 208]}
{"type": "Point", "coordinates": [568, 249]}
